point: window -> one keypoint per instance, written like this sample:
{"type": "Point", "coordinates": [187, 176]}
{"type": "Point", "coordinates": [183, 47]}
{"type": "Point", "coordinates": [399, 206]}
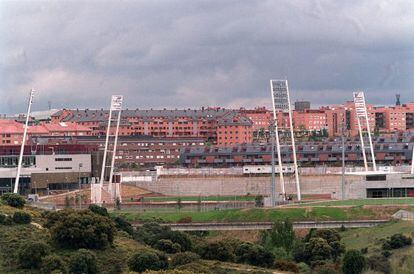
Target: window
{"type": "Point", "coordinates": [63, 159]}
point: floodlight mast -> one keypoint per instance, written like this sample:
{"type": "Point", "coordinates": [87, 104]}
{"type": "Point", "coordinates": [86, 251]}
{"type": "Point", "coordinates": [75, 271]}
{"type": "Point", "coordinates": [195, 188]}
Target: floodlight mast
{"type": "Point", "coordinates": [19, 165]}
{"type": "Point", "coordinates": [295, 162]}
{"type": "Point", "coordinates": [276, 135]}
{"type": "Point", "coordinates": [361, 112]}
{"type": "Point", "coordinates": [412, 162]}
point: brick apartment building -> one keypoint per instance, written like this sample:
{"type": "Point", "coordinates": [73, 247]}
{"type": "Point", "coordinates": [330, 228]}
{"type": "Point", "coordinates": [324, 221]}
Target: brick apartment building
{"type": "Point", "coordinates": [11, 132]}
{"type": "Point", "coordinates": [389, 150]}
{"type": "Point", "coordinates": [132, 151]}
{"type": "Point", "coordinates": [216, 125]}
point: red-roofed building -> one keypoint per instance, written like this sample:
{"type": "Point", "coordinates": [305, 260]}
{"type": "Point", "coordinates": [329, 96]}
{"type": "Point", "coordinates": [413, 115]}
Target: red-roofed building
{"type": "Point", "coordinates": [11, 132]}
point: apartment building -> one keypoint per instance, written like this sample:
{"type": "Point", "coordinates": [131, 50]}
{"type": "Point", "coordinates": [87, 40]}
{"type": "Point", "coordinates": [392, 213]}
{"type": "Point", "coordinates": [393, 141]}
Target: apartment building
{"type": "Point", "coordinates": [11, 132]}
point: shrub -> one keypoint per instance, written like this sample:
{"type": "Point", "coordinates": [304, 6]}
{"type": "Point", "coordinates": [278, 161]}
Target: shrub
{"type": "Point", "coordinates": [216, 251]}
{"type": "Point", "coordinates": [83, 261]}
{"type": "Point", "coordinates": [184, 258]}
{"type": "Point", "coordinates": [167, 246]}
{"type": "Point", "coordinates": [13, 199]}
{"type": "Point", "coordinates": [254, 254]}
{"type": "Point", "coordinates": [259, 201]}
{"type": "Point", "coordinates": [397, 241]}
{"type": "Point", "coordinates": [99, 210]}
{"type": "Point", "coordinates": [151, 233]}
{"type": "Point", "coordinates": [21, 217]}
{"type": "Point", "coordinates": [285, 265]}
{"type": "Point", "coordinates": [30, 254]}
{"type": "Point", "coordinates": [379, 263]}
{"type": "Point", "coordinates": [124, 225]}
{"type": "Point", "coordinates": [146, 260]}
{"type": "Point", "coordinates": [83, 229]}
{"type": "Point", "coordinates": [53, 264]}
{"type": "Point", "coordinates": [353, 263]}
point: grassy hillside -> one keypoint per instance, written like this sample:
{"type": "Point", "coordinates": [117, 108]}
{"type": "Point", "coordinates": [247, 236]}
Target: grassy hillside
{"type": "Point", "coordinates": [110, 260]}
{"type": "Point", "coordinates": [402, 260]}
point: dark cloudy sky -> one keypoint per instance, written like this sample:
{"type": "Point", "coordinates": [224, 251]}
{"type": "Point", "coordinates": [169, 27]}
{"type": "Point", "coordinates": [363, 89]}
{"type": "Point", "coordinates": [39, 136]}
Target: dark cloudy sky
{"type": "Point", "coordinates": [203, 53]}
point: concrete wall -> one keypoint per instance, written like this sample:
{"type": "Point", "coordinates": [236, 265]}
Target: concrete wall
{"type": "Point", "coordinates": [210, 186]}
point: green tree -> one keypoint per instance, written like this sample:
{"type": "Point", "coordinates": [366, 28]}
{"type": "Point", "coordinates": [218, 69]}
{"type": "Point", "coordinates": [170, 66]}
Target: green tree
{"type": "Point", "coordinates": [353, 263]}
{"type": "Point", "coordinates": [220, 251]}
{"type": "Point", "coordinates": [83, 261]}
{"type": "Point", "coordinates": [30, 254]}
{"type": "Point", "coordinates": [147, 260]}
{"type": "Point", "coordinates": [167, 246]}
{"type": "Point", "coordinates": [254, 254]}
{"type": "Point", "coordinates": [281, 235]}
{"type": "Point", "coordinates": [13, 199]}
{"type": "Point", "coordinates": [317, 249]}
{"type": "Point", "coordinates": [82, 229]}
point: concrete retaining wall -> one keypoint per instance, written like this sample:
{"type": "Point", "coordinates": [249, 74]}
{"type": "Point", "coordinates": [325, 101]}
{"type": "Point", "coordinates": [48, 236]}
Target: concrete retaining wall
{"type": "Point", "coordinates": [210, 186]}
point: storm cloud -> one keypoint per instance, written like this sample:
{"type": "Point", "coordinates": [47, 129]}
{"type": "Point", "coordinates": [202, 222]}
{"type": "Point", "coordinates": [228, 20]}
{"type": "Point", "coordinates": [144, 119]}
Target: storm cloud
{"type": "Point", "coordinates": [179, 54]}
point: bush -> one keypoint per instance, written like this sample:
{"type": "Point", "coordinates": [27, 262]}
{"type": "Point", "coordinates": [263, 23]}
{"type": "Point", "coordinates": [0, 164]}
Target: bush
{"type": "Point", "coordinates": [53, 264]}
{"type": "Point", "coordinates": [379, 263]}
{"type": "Point", "coordinates": [83, 261]}
{"type": "Point", "coordinates": [167, 246]}
{"type": "Point", "coordinates": [216, 251]}
{"type": "Point", "coordinates": [254, 254]}
{"type": "Point", "coordinates": [147, 260]}
{"type": "Point", "coordinates": [30, 255]}
{"type": "Point", "coordinates": [151, 233]}
{"type": "Point", "coordinates": [2, 218]}
{"type": "Point", "coordinates": [99, 210]}
{"type": "Point", "coordinates": [82, 229]}
{"type": "Point", "coordinates": [353, 263]}
{"type": "Point", "coordinates": [13, 199]}
{"type": "Point", "coordinates": [259, 201]}
{"type": "Point", "coordinates": [284, 265]}
{"type": "Point", "coordinates": [21, 217]}
{"type": "Point", "coordinates": [184, 258]}
{"type": "Point", "coordinates": [124, 225]}
{"type": "Point", "coordinates": [397, 241]}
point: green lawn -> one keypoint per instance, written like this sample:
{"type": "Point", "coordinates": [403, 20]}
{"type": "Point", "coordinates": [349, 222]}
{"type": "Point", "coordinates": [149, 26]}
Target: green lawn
{"type": "Point", "coordinates": [359, 202]}
{"type": "Point", "coordinates": [196, 198]}
{"type": "Point", "coordinates": [253, 215]}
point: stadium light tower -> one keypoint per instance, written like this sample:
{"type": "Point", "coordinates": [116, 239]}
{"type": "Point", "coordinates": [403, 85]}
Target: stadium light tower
{"type": "Point", "coordinates": [19, 165]}
{"type": "Point", "coordinates": [97, 189]}
{"type": "Point", "coordinates": [362, 114]}
{"type": "Point", "coordinates": [281, 103]}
